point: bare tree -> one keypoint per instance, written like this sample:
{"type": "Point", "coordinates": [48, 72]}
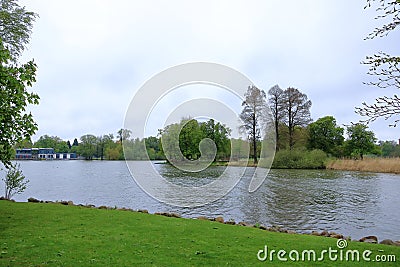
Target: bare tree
{"type": "Point", "coordinates": [384, 66]}
{"type": "Point", "coordinates": [296, 111]}
{"type": "Point", "coordinates": [253, 116]}
{"type": "Point", "coordinates": [124, 134]}
{"type": "Point", "coordinates": [276, 104]}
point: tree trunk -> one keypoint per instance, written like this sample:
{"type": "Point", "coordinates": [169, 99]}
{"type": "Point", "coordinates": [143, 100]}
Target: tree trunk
{"type": "Point", "coordinates": [254, 139]}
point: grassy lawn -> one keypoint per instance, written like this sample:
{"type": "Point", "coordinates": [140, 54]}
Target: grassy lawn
{"type": "Point", "coordinates": [33, 234]}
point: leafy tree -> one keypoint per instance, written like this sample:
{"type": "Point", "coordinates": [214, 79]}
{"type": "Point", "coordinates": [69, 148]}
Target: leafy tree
{"type": "Point", "coordinates": [219, 133]}
{"type": "Point", "coordinates": [189, 133]}
{"type": "Point", "coordinates": [103, 142]}
{"type": "Point", "coordinates": [253, 116]}
{"type": "Point", "coordinates": [15, 27]}
{"type": "Point", "coordinates": [26, 143]}
{"type": "Point", "coordinates": [189, 138]}
{"type": "Point", "coordinates": [15, 182]}
{"type": "Point", "coordinates": [296, 111]}
{"type": "Point", "coordinates": [384, 66]}
{"type": "Point", "coordinates": [113, 153]}
{"type": "Point", "coordinates": [390, 149]}
{"type": "Point", "coordinates": [15, 123]}
{"type": "Point", "coordinates": [360, 141]}
{"type": "Point", "coordinates": [324, 134]}
{"type": "Point", "coordinates": [276, 104]}
{"type": "Point", "coordinates": [87, 148]}
{"type": "Point", "coordinates": [133, 150]}
{"type": "Point", "coordinates": [46, 141]}
{"type": "Point", "coordinates": [154, 148]}
{"type": "Point", "coordinates": [239, 149]}
{"type": "Point", "coordinates": [61, 147]}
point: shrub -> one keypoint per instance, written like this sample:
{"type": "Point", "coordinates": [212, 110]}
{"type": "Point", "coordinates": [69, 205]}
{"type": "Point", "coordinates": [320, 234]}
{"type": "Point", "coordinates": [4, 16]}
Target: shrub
{"type": "Point", "coordinates": [300, 159]}
{"type": "Point", "coordinates": [15, 182]}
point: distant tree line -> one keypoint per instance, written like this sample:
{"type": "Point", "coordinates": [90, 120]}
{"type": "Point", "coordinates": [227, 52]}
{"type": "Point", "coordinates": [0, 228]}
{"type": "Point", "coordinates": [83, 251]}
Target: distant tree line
{"type": "Point", "coordinates": [299, 141]}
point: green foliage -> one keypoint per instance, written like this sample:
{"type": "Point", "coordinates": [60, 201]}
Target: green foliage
{"type": "Point", "coordinates": [46, 141]}
{"type": "Point", "coordinates": [390, 149]}
{"type": "Point", "coordinates": [324, 134]}
{"type": "Point", "coordinates": [360, 141]}
{"type": "Point", "coordinates": [16, 124]}
{"type": "Point", "coordinates": [15, 26]}
{"type": "Point", "coordinates": [154, 148]}
{"type": "Point", "coordinates": [189, 133]}
{"type": "Point", "coordinates": [25, 143]}
{"type": "Point", "coordinates": [103, 142]}
{"type": "Point", "coordinates": [300, 159]}
{"type": "Point", "coordinates": [15, 182]}
{"type": "Point", "coordinates": [87, 147]}
{"type": "Point", "coordinates": [240, 149]}
{"type": "Point", "coordinates": [135, 149]}
{"type": "Point", "coordinates": [189, 139]}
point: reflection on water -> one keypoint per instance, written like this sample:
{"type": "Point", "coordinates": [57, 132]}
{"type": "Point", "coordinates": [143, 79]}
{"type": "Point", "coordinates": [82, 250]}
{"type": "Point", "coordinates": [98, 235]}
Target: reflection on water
{"type": "Point", "coordinates": [351, 203]}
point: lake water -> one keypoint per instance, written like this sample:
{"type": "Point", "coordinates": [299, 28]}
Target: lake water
{"type": "Point", "coordinates": [351, 203]}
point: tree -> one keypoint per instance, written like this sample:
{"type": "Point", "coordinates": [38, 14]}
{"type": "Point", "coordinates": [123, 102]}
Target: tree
{"type": "Point", "coordinates": [15, 123]}
{"type": "Point", "coordinates": [219, 133]}
{"type": "Point", "coordinates": [124, 134]}
{"type": "Point", "coordinates": [360, 141]}
{"type": "Point", "coordinates": [15, 182]}
{"type": "Point", "coordinates": [296, 111]}
{"type": "Point", "coordinates": [385, 67]}
{"type": "Point", "coordinates": [75, 143]}
{"type": "Point", "coordinates": [324, 134]}
{"type": "Point", "coordinates": [189, 138]}
{"type": "Point", "coordinates": [15, 27]}
{"type": "Point", "coordinates": [25, 143]}
{"type": "Point", "coordinates": [276, 105]}
{"type": "Point", "coordinates": [390, 149]}
{"type": "Point", "coordinates": [253, 116]}
{"type": "Point", "coordinates": [87, 148]}
{"type": "Point", "coordinates": [46, 141]}
{"type": "Point", "coordinates": [187, 135]}
{"type": "Point", "coordinates": [69, 144]}
{"type": "Point", "coordinates": [103, 142]}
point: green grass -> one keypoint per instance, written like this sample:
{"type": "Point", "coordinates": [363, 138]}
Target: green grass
{"type": "Point", "coordinates": [33, 234]}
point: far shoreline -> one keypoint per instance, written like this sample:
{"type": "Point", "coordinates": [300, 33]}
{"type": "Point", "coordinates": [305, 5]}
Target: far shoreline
{"type": "Point", "coordinates": [373, 165]}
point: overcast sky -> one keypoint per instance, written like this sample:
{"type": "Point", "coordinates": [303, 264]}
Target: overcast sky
{"type": "Point", "coordinates": [93, 55]}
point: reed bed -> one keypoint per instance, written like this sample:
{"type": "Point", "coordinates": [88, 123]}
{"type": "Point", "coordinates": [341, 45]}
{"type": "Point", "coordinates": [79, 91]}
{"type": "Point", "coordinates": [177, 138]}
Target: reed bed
{"type": "Point", "coordinates": [386, 165]}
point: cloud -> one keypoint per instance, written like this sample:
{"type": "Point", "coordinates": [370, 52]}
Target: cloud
{"type": "Point", "coordinates": [94, 55]}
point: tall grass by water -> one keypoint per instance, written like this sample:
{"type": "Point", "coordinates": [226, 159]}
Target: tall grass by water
{"type": "Point", "coordinates": [387, 165]}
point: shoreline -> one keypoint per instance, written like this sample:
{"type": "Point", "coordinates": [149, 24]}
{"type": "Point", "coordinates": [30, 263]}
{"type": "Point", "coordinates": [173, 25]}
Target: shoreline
{"type": "Point", "coordinates": [374, 165]}
{"type": "Point", "coordinates": [273, 228]}
{"type": "Point", "coordinates": [39, 234]}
